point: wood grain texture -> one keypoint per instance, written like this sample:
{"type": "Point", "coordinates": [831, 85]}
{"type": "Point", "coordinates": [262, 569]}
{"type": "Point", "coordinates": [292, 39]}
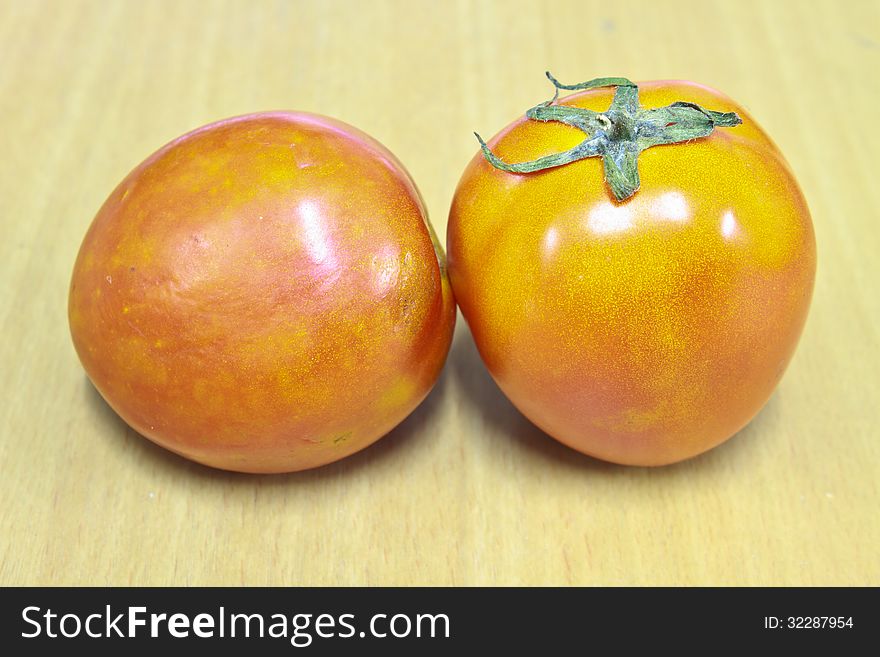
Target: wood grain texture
{"type": "Point", "coordinates": [465, 491]}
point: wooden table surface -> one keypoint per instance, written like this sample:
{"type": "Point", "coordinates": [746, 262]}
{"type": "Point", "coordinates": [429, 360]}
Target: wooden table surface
{"type": "Point", "coordinates": [465, 491]}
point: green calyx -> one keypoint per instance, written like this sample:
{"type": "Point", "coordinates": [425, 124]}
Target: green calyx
{"type": "Point", "coordinates": [619, 134]}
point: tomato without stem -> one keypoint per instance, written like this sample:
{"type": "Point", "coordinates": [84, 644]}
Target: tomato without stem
{"type": "Point", "coordinates": [263, 294]}
{"type": "Point", "coordinates": [645, 330]}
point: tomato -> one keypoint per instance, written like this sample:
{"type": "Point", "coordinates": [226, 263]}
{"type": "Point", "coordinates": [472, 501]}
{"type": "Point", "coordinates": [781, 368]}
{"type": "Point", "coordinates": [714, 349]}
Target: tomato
{"type": "Point", "coordinates": [263, 294]}
{"type": "Point", "coordinates": [644, 330]}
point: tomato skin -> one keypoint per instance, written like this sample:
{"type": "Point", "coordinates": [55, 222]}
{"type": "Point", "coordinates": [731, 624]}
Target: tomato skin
{"type": "Point", "coordinates": [263, 294]}
{"type": "Point", "coordinates": [646, 331]}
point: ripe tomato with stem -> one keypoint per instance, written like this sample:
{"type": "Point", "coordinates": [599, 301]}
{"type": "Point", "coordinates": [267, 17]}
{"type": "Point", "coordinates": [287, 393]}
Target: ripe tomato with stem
{"type": "Point", "coordinates": [635, 266]}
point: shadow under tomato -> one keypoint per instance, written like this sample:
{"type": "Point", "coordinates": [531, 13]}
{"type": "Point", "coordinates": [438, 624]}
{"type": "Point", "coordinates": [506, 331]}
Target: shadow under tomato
{"type": "Point", "coordinates": [404, 436]}
{"type": "Point", "coordinates": [511, 427]}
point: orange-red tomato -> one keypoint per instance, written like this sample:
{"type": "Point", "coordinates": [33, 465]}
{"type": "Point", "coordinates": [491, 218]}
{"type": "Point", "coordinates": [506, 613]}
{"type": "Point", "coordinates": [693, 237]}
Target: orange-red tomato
{"type": "Point", "coordinates": [263, 294]}
{"type": "Point", "coordinates": [645, 331]}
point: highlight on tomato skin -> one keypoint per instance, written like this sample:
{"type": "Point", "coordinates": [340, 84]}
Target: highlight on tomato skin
{"type": "Point", "coordinates": [646, 330]}
{"type": "Point", "coordinates": [263, 294]}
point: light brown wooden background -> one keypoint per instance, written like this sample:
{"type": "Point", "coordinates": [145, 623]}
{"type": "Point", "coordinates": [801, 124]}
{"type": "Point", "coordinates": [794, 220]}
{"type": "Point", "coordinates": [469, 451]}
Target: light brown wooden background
{"type": "Point", "coordinates": [465, 491]}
